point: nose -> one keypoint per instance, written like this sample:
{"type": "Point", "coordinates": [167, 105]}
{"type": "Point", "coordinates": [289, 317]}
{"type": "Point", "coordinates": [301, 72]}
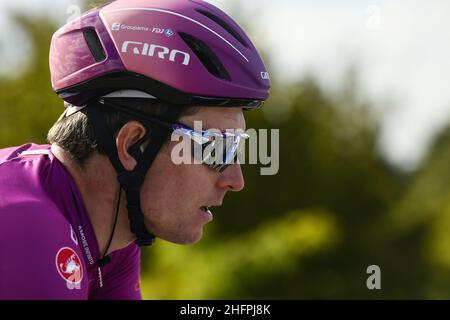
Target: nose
{"type": "Point", "coordinates": [232, 178]}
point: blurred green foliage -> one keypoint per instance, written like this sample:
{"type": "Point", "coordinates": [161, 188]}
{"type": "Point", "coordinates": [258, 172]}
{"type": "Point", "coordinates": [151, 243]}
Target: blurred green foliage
{"type": "Point", "coordinates": [27, 103]}
{"type": "Point", "coordinates": [334, 208]}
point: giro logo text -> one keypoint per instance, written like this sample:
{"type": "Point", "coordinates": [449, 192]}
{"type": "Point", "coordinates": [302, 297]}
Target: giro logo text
{"type": "Point", "coordinates": [146, 49]}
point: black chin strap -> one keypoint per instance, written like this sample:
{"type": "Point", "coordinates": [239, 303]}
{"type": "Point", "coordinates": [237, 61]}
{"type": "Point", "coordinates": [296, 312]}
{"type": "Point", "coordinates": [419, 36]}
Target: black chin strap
{"type": "Point", "coordinates": [130, 181]}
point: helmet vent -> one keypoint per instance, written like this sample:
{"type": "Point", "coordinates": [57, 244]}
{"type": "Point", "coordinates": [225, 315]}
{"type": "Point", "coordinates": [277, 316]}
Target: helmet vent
{"type": "Point", "coordinates": [206, 56]}
{"type": "Point", "coordinates": [224, 25]}
{"type": "Point", "coordinates": [94, 44]}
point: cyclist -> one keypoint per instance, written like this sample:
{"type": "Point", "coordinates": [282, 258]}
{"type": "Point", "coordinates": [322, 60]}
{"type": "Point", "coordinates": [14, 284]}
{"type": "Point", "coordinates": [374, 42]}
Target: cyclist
{"type": "Point", "coordinates": [133, 74]}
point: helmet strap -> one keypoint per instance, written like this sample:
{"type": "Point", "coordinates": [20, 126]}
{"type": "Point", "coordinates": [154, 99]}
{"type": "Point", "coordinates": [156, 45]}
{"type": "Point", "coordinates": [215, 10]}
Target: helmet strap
{"type": "Point", "coordinates": [130, 181]}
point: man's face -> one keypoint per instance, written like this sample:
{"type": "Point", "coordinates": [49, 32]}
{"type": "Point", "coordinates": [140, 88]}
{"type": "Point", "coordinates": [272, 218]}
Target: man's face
{"type": "Point", "coordinates": [172, 195]}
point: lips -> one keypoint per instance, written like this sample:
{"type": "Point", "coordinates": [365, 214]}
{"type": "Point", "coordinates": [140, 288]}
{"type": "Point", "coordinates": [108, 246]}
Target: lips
{"type": "Point", "coordinates": [207, 209]}
{"type": "Point", "coordinates": [206, 212]}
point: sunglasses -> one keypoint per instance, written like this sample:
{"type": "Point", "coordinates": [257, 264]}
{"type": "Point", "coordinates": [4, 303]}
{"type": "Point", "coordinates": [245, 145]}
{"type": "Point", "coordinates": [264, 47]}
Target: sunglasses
{"type": "Point", "coordinates": [213, 148]}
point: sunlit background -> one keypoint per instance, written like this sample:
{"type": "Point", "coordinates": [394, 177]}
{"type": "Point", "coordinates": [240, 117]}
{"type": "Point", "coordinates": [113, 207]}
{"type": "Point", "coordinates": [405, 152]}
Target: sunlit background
{"type": "Point", "coordinates": [359, 95]}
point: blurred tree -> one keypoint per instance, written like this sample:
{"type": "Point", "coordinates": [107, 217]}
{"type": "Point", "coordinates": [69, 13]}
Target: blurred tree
{"type": "Point", "coordinates": [28, 105]}
{"type": "Point", "coordinates": [245, 260]}
{"type": "Point", "coordinates": [424, 211]}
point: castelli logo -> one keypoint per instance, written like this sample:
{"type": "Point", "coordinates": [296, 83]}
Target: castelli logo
{"type": "Point", "coordinates": [69, 267]}
{"type": "Point", "coordinates": [145, 49]}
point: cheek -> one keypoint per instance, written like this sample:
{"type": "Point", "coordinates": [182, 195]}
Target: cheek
{"type": "Point", "coordinates": [171, 196]}
{"type": "Point", "coordinates": [170, 187]}
{"type": "Point", "coordinates": [160, 186]}
{"type": "Point", "coordinates": [166, 186]}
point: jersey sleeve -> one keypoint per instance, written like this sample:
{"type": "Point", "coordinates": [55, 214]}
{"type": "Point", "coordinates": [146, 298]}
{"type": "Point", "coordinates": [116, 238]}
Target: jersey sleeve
{"type": "Point", "coordinates": [121, 277]}
{"type": "Point", "coordinates": [38, 257]}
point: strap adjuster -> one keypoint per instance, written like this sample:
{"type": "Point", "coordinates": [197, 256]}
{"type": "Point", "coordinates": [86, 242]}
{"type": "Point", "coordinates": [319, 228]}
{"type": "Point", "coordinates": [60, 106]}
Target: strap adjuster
{"type": "Point", "coordinates": [146, 240]}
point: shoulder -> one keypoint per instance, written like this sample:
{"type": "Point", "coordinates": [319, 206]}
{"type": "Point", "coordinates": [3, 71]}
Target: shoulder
{"type": "Point", "coordinates": [12, 154]}
{"type": "Point", "coordinates": [28, 207]}
{"type": "Point", "coordinates": [34, 237]}
{"type": "Point", "coordinates": [31, 217]}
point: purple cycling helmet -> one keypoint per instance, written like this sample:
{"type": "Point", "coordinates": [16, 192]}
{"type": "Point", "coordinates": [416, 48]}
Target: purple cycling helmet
{"type": "Point", "coordinates": [185, 52]}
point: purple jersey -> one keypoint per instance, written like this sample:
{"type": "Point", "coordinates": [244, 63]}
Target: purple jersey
{"type": "Point", "coordinates": [48, 248]}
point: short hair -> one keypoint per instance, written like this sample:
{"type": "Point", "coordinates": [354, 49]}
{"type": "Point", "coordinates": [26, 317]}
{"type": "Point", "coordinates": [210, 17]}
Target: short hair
{"type": "Point", "coordinates": [75, 134]}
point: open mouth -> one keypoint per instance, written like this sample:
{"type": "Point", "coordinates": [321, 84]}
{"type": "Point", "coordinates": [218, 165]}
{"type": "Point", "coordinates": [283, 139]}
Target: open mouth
{"type": "Point", "coordinates": [206, 210]}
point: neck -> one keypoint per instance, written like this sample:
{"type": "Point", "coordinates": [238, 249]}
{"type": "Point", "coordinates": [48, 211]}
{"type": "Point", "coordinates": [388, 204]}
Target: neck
{"type": "Point", "coordinates": [99, 190]}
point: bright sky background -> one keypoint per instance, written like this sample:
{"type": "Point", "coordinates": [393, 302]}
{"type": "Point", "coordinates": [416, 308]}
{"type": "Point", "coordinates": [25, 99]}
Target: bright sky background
{"type": "Point", "coordinates": [400, 48]}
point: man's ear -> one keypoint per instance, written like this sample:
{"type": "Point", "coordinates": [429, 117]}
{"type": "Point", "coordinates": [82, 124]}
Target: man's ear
{"type": "Point", "coordinates": [129, 140]}
{"type": "Point", "coordinates": [135, 151]}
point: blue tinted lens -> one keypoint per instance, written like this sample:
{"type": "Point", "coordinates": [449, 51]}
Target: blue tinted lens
{"type": "Point", "coordinates": [217, 151]}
